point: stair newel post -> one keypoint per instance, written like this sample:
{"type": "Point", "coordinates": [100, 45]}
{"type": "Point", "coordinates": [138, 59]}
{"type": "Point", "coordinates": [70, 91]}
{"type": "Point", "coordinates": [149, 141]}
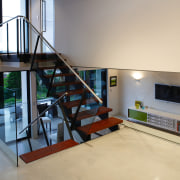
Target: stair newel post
{"type": "Point", "coordinates": [77, 111]}
{"type": "Point", "coordinates": [7, 38]}
{"type": "Point", "coordinates": [44, 132]}
{"type": "Point", "coordinates": [17, 26]}
{"type": "Point", "coordinates": [34, 55]}
{"type": "Point", "coordinates": [65, 119]}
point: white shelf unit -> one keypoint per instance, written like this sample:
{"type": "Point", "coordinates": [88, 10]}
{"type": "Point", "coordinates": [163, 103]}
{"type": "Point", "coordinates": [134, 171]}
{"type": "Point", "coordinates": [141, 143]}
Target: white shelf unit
{"type": "Point", "coordinates": [161, 119]}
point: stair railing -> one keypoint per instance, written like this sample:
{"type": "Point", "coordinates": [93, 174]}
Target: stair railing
{"type": "Point", "coordinates": [41, 114]}
{"type": "Point", "coordinates": [59, 56]}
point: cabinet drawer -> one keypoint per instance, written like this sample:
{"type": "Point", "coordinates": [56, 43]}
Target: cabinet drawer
{"type": "Point", "coordinates": [141, 116]}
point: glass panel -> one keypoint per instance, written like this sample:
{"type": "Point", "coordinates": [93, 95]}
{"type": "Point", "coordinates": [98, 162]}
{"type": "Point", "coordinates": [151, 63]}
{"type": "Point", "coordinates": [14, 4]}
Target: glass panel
{"type": "Point", "coordinates": [17, 82]}
{"type": "Point", "coordinates": [8, 123]}
{"type": "Point", "coordinates": [48, 22]}
{"type": "Point", "coordinates": [16, 8]}
{"type": "Point", "coordinates": [3, 38]}
{"type": "Point", "coordinates": [12, 36]}
{"type": "Point", "coordinates": [13, 8]}
{"type": "Point", "coordinates": [96, 79]}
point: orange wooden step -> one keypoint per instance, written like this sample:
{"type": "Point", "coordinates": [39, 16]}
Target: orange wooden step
{"type": "Point", "coordinates": [43, 152]}
{"type": "Point", "coordinates": [72, 92]}
{"type": "Point", "coordinates": [45, 60]}
{"type": "Point", "coordinates": [66, 83]}
{"type": "Point", "coordinates": [52, 67]}
{"type": "Point", "coordinates": [45, 68]}
{"type": "Point", "coordinates": [59, 75]}
{"type": "Point", "coordinates": [91, 113]}
{"type": "Point", "coordinates": [99, 125]}
{"type": "Point", "coordinates": [75, 103]}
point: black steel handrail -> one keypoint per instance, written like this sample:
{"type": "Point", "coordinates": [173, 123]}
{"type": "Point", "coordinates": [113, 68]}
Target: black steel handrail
{"type": "Point", "coordinates": [59, 56]}
{"type": "Point", "coordinates": [40, 115]}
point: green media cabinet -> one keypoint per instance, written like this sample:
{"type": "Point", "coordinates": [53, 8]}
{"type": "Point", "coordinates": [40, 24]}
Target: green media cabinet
{"type": "Point", "coordinates": [138, 115]}
{"type": "Point", "coordinates": [161, 119]}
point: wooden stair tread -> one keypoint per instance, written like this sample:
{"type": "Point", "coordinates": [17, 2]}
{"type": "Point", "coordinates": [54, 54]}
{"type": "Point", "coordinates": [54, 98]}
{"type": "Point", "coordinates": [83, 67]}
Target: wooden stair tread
{"type": "Point", "coordinates": [52, 67]}
{"type": "Point", "coordinates": [45, 60]}
{"type": "Point", "coordinates": [43, 152]}
{"type": "Point", "coordinates": [99, 125]}
{"type": "Point", "coordinates": [59, 75]}
{"type": "Point", "coordinates": [75, 103]}
{"type": "Point", "coordinates": [66, 83]}
{"type": "Point", "coordinates": [92, 112]}
{"type": "Point", "coordinates": [72, 92]}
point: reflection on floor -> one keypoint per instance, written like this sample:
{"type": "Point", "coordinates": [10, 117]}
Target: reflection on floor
{"type": "Point", "coordinates": [39, 142]}
{"type": "Point", "coordinates": [126, 154]}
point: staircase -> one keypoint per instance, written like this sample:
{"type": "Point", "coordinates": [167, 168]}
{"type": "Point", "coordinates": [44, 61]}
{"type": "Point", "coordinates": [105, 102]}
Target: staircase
{"type": "Point", "coordinates": [58, 78]}
{"type": "Point", "coordinates": [70, 84]}
{"type": "Point", "coordinates": [83, 108]}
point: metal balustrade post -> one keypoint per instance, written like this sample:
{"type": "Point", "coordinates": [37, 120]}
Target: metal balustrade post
{"type": "Point", "coordinates": [17, 26]}
{"type": "Point", "coordinates": [7, 38]}
{"type": "Point", "coordinates": [24, 36]}
{"type": "Point", "coordinates": [33, 59]}
{"type": "Point", "coordinates": [20, 35]}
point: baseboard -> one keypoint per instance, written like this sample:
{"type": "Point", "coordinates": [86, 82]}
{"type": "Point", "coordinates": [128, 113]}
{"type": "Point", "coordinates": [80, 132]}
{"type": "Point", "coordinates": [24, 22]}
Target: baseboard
{"type": "Point", "coordinates": [151, 131]}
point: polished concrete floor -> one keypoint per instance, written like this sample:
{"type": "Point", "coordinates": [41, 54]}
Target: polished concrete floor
{"type": "Point", "coordinates": [126, 154]}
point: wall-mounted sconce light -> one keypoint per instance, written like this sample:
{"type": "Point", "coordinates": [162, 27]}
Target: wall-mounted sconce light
{"type": "Point", "coordinates": [137, 75]}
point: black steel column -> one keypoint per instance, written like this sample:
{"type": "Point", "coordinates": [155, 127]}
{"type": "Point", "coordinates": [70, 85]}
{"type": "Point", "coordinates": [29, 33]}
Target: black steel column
{"type": "Point", "coordinates": [7, 38]}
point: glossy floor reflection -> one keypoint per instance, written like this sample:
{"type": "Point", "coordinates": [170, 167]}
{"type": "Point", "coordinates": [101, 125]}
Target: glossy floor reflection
{"type": "Point", "coordinates": [125, 154]}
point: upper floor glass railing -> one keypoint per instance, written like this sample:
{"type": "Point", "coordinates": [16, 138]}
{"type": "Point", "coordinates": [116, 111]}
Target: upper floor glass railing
{"type": "Point", "coordinates": [19, 38]}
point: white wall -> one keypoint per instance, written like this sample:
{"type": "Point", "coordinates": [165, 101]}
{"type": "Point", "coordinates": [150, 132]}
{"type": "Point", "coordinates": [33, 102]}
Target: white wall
{"type": "Point", "coordinates": [144, 90]}
{"type": "Point", "coordinates": [114, 93]}
{"type": "Point", "coordinates": [124, 34]}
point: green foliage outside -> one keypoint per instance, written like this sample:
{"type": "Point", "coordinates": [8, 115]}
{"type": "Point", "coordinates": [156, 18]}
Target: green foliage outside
{"type": "Point", "coordinates": [13, 81]}
{"type": "Point", "coordinates": [41, 89]}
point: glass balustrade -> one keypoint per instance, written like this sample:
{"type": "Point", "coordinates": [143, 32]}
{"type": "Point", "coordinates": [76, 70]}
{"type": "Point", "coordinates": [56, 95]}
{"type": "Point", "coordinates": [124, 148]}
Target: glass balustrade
{"type": "Point", "coordinates": [78, 114]}
{"type": "Point", "coordinates": [8, 124]}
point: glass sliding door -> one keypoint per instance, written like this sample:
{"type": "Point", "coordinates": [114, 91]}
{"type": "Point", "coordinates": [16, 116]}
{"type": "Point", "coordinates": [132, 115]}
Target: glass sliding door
{"type": "Point", "coordinates": [16, 81]}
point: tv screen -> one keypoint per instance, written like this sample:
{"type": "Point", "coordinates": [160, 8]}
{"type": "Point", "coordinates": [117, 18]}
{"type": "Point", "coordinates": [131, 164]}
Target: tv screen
{"type": "Point", "coordinates": [167, 93]}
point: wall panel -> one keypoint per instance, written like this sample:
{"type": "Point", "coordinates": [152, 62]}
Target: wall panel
{"type": "Point", "coordinates": [123, 34]}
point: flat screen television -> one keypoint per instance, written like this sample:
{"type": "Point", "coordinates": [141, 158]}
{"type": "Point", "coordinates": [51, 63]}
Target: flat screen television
{"type": "Point", "coordinates": [167, 93]}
